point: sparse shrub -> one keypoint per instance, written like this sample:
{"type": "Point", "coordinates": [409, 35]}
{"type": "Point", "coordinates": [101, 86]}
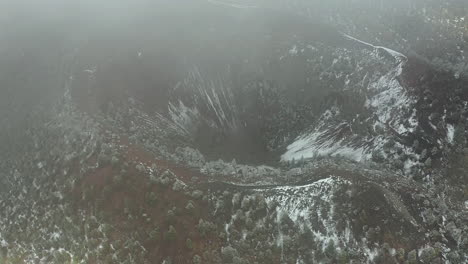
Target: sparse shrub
{"type": "Point", "coordinates": [154, 233]}
{"type": "Point", "coordinates": [285, 222]}
{"type": "Point", "coordinates": [60, 257]}
{"type": "Point", "coordinates": [93, 243]}
{"type": "Point", "coordinates": [219, 206]}
{"type": "Point", "coordinates": [412, 257]}
{"type": "Point", "coordinates": [126, 206]}
{"type": "Point", "coordinates": [154, 168]}
{"type": "Point", "coordinates": [164, 181]}
{"type": "Point", "coordinates": [330, 250]}
{"type": "Point", "coordinates": [140, 168]}
{"type": "Point", "coordinates": [151, 198]}
{"type": "Point", "coordinates": [306, 237]}
{"type": "Point", "coordinates": [222, 235]}
{"type": "Point", "coordinates": [228, 254]}
{"type": "Point", "coordinates": [378, 156]}
{"type": "Point", "coordinates": [260, 202]}
{"type": "Point", "coordinates": [239, 218]}
{"type": "Point", "coordinates": [459, 140]}
{"type": "Point", "coordinates": [454, 257]}
{"type": "Point", "coordinates": [189, 244]}
{"type": "Point", "coordinates": [236, 200]}
{"type": "Point", "coordinates": [197, 194]}
{"type": "Point", "coordinates": [428, 162]}
{"type": "Point", "coordinates": [428, 254]}
{"type": "Point", "coordinates": [114, 161]}
{"type": "Point", "coordinates": [196, 259]}
{"type": "Point", "coordinates": [94, 233]}
{"type": "Point", "coordinates": [117, 179]}
{"type": "Point", "coordinates": [249, 223]}
{"type": "Point", "coordinates": [237, 260]}
{"type": "Point", "coordinates": [105, 228]}
{"type": "Point", "coordinates": [246, 203]}
{"type": "Point", "coordinates": [205, 227]}
{"type": "Point", "coordinates": [168, 174]}
{"type": "Point", "coordinates": [171, 234]}
{"type": "Point", "coordinates": [103, 159]}
{"type": "Point", "coordinates": [168, 260]}
{"type": "Point", "coordinates": [400, 254]}
{"type": "Point", "coordinates": [190, 206]}
{"type": "Point", "coordinates": [153, 179]}
{"type": "Point", "coordinates": [178, 186]}
{"type": "Point", "coordinates": [379, 256]}
{"type": "Point", "coordinates": [170, 216]}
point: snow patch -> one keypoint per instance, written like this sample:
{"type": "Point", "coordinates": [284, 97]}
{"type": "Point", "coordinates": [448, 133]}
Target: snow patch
{"type": "Point", "coordinates": [310, 146]}
{"type": "Point", "coordinates": [293, 50]}
{"type": "Point", "coordinates": [391, 97]}
{"type": "Point", "coordinates": [371, 254]}
{"type": "Point", "coordinates": [302, 203]}
{"type": "Point", "coordinates": [450, 133]}
{"type": "Point", "coordinates": [182, 115]}
{"type": "Point", "coordinates": [3, 243]}
{"type": "Point", "coordinates": [397, 55]}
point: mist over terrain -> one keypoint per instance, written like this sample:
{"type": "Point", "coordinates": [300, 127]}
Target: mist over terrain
{"type": "Point", "coordinates": [234, 131]}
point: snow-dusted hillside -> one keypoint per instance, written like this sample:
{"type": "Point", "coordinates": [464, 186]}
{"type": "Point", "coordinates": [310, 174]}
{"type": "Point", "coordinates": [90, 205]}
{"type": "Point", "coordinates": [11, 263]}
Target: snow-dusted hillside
{"type": "Point", "coordinates": [235, 131]}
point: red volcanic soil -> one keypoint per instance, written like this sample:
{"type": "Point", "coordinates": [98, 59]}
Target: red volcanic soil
{"type": "Point", "coordinates": [110, 199]}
